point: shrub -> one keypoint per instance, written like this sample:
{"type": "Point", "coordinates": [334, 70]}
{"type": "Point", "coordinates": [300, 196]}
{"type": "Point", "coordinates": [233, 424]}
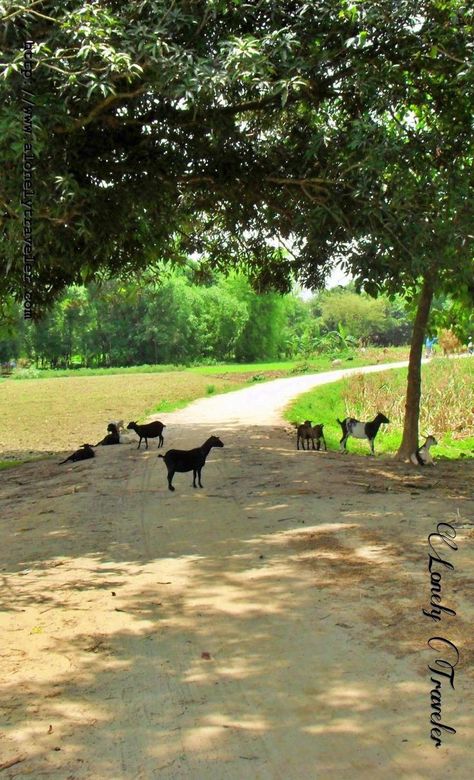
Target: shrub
{"type": "Point", "coordinates": [449, 342]}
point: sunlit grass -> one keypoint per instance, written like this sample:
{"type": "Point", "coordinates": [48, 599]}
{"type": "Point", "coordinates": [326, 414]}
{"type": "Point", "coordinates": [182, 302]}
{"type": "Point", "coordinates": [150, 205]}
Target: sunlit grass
{"type": "Point", "coordinates": [447, 407]}
{"type": "Point", "coordinates": [302, 365]}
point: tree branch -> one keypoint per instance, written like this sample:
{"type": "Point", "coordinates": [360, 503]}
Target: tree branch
{"type": "Point", "coordinates": [28, 9]}
{"type": "Point", "coordinates": [98, 109]}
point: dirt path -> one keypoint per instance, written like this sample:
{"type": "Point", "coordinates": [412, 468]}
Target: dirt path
{"type": "Point", "coordinates": [267, 626]}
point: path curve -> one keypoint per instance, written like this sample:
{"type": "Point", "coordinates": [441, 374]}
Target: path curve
{"type": "Point", "coordinates": [261, 404]}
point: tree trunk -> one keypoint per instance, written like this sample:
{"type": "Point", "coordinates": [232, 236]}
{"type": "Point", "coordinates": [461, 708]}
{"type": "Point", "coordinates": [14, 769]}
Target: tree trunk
{"type": "Point", "coordinates": [412, 402]}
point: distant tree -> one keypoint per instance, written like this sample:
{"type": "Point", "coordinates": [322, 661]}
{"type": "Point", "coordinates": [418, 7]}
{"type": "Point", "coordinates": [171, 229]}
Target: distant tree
{"type": "Point", "coordinates": [455, 314]}
{"type": "Point", "coordinates": [221, 320]}
{"type": "Point", "coordinates": [11, 330]}
{"type": "Point", "coordinates": [370, 320]}
{"type": "Point", "coordinates": [362, 316]}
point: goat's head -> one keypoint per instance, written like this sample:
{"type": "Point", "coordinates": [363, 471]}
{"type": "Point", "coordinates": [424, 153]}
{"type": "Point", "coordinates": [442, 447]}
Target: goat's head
{"type": "Point", "coordinates": [214, 441]}
{"type": "Point", "coordinates": [382, 417]}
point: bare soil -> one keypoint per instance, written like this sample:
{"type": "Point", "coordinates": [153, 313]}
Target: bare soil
{"type": "Point", "coordinates": [267, 626]}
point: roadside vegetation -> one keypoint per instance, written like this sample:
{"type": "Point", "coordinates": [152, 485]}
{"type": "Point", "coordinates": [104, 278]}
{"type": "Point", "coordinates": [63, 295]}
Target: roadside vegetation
{"type": "Point", "coordinates": [177, 323]}
{"type": "Point", "coordinates": [254, 371]}
{"type": "Point", "coordinates": [447, 407]}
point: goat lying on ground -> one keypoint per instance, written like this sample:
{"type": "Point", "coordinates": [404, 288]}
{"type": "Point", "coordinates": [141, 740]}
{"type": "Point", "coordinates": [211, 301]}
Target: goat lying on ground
{"type": "Point", "coordinates": [148, 431]}
{"type": "Point", "coordinates": [84, 452]}
{"type": "Point", "coordinates": [361, 430]}
{"type": "Point", "coordinates": [189, 460]}
{"type": "Point", "coordinates": [112, 437]}
{"type": "Point", "coordinates": [307, 431]}
{"type": "Point", "coordinates": [423, 456]}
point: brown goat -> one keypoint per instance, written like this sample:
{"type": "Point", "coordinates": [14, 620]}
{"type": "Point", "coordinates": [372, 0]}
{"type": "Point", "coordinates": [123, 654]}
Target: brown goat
{"type": "Point", "coordinates": [307, 432]}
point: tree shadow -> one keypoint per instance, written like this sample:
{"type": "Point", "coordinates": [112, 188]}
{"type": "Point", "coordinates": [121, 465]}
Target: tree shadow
{"type": "Point", "coordinates": [267, 626]}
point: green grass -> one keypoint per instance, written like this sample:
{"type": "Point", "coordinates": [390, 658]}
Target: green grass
{"type": "Point", "coordinates": [287, 367]}
{"type": "Point", "coordinates": [447, 407]}
{"type": "Point", "coordinates": [10, 464]}
{"type": "Point", "coordinates": [53, 373]}
{"type": "Point", "coordinates": [13, 463]}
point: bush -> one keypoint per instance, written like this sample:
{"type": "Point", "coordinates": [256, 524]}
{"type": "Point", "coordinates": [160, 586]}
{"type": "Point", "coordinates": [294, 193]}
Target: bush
{"type": "Point", "coordinates": [449, 342]}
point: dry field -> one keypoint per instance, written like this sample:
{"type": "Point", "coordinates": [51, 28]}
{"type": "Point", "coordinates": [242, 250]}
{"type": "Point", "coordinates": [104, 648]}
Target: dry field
{"type": "Point", "coordinates": [41, 416]}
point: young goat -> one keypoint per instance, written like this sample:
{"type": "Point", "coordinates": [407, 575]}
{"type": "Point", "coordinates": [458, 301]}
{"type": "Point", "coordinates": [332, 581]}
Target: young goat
{"type": "Point", "coordinates": [307, 431]}
{"type": "Point", "coordinates": [148, 431]}
{"type": "Point", "coordinates": [189, 460]}
{"type": "Point", "coordinates": [84, 452]}
{"type": "Point", "coordinates": [422, 456]}
{"type": "Point", "coordinates": [361, 430]}
{"type": "Point", "coordinates": [113, 436]}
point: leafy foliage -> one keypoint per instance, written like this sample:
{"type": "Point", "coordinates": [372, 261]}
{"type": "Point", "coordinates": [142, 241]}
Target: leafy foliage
{"type": "Point", "coordinates": [162, 129]}
{"type": "Point", "coordinates": [178, 322]}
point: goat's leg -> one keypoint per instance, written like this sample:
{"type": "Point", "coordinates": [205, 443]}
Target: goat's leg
{"type": "Point", "coordinates": [170, 477]}
{"type": "Point", "coordinates": [313, 443]}
{"type": "Point", "coordinates": [343, 443]}
{"type": "Point", "coordinates": [139, 442]}
{"type": "Point", "coordinates": [194, 477]}
{"type": "Point", "coordinates": [371, 442]}
{"type": "Point", "coordinates": [199, 477]}
{"type": "Point", "coordinates": [297, 442]}
{"type": "Point", "coordinates": [325, 445]}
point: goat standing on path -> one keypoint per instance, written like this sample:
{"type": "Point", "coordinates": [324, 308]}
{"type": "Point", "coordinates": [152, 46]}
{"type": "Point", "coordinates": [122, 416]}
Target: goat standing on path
{"type": "Point", "coordinates": [361, 430]}
{"type": "Point", "coordinates": [307, 431]}
{"type": "Point", "coordinates": [148, 431]}
{"type": "Point", "coordinates": [189, 460]}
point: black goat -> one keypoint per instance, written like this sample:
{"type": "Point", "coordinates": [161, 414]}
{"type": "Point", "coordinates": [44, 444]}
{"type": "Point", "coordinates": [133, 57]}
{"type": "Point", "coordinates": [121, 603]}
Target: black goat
{"type": "Point", "coordinates": [148, 431]}
{"type": "Point", "coordinates": [361, 430]}
{"type": "Point", "coordinates": [113, 436]}
{"type": "Point", "coordinates": [307, 431]}
{"type": "Point", "coordinates": [84, 452]}
{"type": "Point", "coordinates": [189, 460]}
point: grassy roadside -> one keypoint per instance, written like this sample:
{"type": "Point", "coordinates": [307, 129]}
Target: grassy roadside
{"type": "Point", "coordinates": [447, 407]}
{"type": "Point", "coordinates": [286, 367]}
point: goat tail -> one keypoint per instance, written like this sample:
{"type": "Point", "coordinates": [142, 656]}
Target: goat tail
{"type": "Point", "coordinates": [341, 423]}
{"type": "Point", "coordinates": [161, 456]}
{"type": "Point", "coordinates": [63, 461]}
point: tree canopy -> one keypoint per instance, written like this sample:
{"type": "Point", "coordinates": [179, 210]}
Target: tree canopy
{"type": "Point", "coordinates": [340, 128]}
{"type": "Point", "coordinates": [175, 321]}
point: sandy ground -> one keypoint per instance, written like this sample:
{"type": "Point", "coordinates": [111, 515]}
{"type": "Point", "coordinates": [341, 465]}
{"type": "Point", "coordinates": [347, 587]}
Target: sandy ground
{"type": "Point", "coordinates": [267, 626]}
